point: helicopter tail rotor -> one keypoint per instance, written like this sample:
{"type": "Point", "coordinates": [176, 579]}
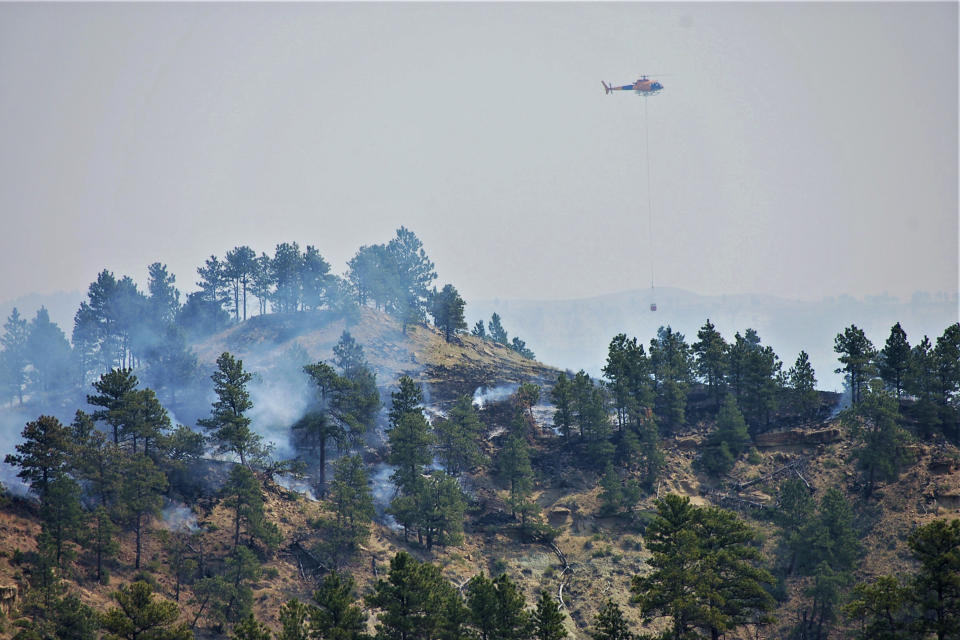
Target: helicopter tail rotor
{"type": "Point", "coordinates": [606, 87]}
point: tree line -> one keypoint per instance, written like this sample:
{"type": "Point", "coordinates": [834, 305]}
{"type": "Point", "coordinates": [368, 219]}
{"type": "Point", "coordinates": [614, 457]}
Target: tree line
{"type": "Point", "coordinates": [121, 326]}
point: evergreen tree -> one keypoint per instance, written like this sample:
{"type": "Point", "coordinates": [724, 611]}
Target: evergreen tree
{"type": "Point", "coordinates": [243, 495]}
{"type": "Point", "coordinates": [14, 357]}
{"type": "Point", "coordinates": [352, 504]}
{"type": "Point", "coordinates": [447, 311]}
{"type": "Point", "coordinates": [48, 352]}
{"type": "Point", "coordinates": [803, 386]}
{"type": "Point", "coordinates": [101, 542]}
{"type": "Point", "coordinates": [548, 619]}
{"type": "Point", "coordinates": [62, 515]}
{"type": "Point", "coordinates": [479, 330]}
{"type": "Point", "coordinates": [936, 546]}
{"type": "Point", "coordinates": [440, 506]}
{"type": "Point", "coordinates": [213, 283]}
{"type": "Point", "coordinates": [727, 442]}
{"type": "Point", "coordinates": [511, 621]}
{"type": "Point", "coordinates": [43, 455]}
{"type": "Point", "coordinates": [348, 354]}
{"type": "Point", "coordinates": [893, 361]}
{"type": "Point", "coordinates": [286, 268]}
{"type": "Point", "coordinates": [922, 383]}
{"type": "Point", "coordinates": [672, 366]}
{"type": "Point", "coordinates": [518, 345]}
{"type": "Point", "coordinates": [250, 629]}
{"type": "Point", "coordinates": [481, 597]}
{"type": "Point", "coordinates": [947, 357]}
{"type": "Point", "coordinates": [294, 621]}
{"type": "Point", "coordinates": [261, 282]}
{"type": "Point", "coordinates": [829, 538]}
{"type": "Point", "coordinates": [610, 624]}
{"type": "Point", "coordinates": [315, 279]}
{"type": "Point", "coordinates": [140, 616]}
{"type": "Point", "coordinates": [515, 470]}
{"type": "Point", "coordinates": [856, 354]}
{"type": "Point", "coordinates": [114, 389]}
{"type": "Point", "coordinates": [164, 298]}
{"type": "Point", "coordinates": [412, 600]}
{"type": "Point", "coordinates": [884, 452]}
{"type": "Point", "coordinates": [140, 495]}
{"type": "Point", "coordinates": [497, 333]}
{"type": "Point", "coordinates": [705, 571]}
{"type": "Point", "coordinates": [228, 426]}
{"type": "Point", "coordinates": [458, 437]}
{"type": "Point", "coordinates": [760, 376]}
{"type": "Point", "coordinates": [710, 352]}
{"type": "Point", "coordinates": [882, 609]}
{"type": "Point", "coordinates": [413, 274]}
{"type": "Point", "coordinates": [334, 614]}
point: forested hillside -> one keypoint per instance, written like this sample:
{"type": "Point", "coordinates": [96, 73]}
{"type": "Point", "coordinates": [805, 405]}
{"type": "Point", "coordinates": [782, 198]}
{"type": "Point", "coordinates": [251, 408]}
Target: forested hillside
{"type": "Point", "coordinates": [296, 454]}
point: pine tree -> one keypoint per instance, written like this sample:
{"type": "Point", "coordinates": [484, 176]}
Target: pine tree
{"type": "Point", "coordinates": [883, 453]}
{"type": "Point", "coordinates": [261, 283]}
{"type": "Point", "coordinates": [14, 357]}
{"type": "Point", "coordinates": [440, 506]}
{"type": "Point", "coordinates": [706, 572]}
{"type": "Point", "coordinates": [497, 333]}
{"type": "Point", "coordinates": [228, 426]}
{"type": "Point", "coordinates": [43, 455]}
{"type": "Point", "coordinates": [243, 495]}
{"type": "Point", "coordinates": [61, 515]}
{"type": "Point", "coordinates": [727, 442]}
{"type": "Point", "coordinates": [515, 470]}
{"type": "Point", "coordinates": [672, 365]}
{"type": "Point", "coordinates": [936, 546]}
{"type": "Point", "coordinates": [164, 298]}
{"type": "Point", "coordinates": [48, 352]}
{"type": "Point", "coordinates": [479, 330]}
{"type": "Point", "coordinates": [250, 629]}
{"type": "Point", "coordinates": [710, 352]}
{"type": "Point", "coordinates": [352, 503]}
{"type": "Point", "coordinates": [334, 614]}
{"type": "Point", "coordinates": [610, 624]}
{"type": "Point", "coordinates": [412, 600]}
{"type": "Point", "coordinates": [447, 311]}
{"type": "Point", "coordinates": [140, 616]}
{"type": "Point", "coordinates": [140, 495]}
{"type": "Point", "coordinates": [893, 361]}
{"type": "Point", "coordinates": [348, 354]}
{"type": "Point", "coordinates": [458, 437]}
{"type": "Point", "coordinates": [114, 388]}
{"type": "Point", "coordinates": [947, 358]}
{"type": "Point", "coordinates": [548, 619]}
{"type": "Point", "coordinates": [286, 268]}
{"type": "Point", "coordinates": [315, 279]}
{"type": "Point", "coordinates": [101, 541]}
{"type": "Point", "coordinates": [882, 609]}
{"type": "Point", "coordinates": [803, 386]}
{"type": "Point", "coordinates": [856, 354]}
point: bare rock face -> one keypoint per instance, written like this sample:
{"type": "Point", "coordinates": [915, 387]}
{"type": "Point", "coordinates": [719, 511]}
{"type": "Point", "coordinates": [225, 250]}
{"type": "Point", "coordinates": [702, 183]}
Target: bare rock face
{"type": "Point", "coordinates": [798, 437]}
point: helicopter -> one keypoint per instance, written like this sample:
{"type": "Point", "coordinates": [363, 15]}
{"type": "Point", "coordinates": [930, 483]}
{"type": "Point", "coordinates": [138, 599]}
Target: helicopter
{"type": "Point", "coordinates": [644, 87]}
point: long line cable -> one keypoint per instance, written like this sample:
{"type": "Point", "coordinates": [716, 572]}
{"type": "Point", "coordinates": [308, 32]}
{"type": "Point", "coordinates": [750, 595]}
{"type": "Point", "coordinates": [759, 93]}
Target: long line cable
{"type": "Point", "coordinates": [646, 141]}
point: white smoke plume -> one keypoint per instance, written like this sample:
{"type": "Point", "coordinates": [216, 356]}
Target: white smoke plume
{"type": "Point", "coordinates": [179, 517]}
{"type": "Point", "coordinates": [498, 393]}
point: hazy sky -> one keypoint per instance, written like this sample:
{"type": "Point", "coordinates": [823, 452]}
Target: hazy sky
{"type": "Point", "coordinates": [801, 150]}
